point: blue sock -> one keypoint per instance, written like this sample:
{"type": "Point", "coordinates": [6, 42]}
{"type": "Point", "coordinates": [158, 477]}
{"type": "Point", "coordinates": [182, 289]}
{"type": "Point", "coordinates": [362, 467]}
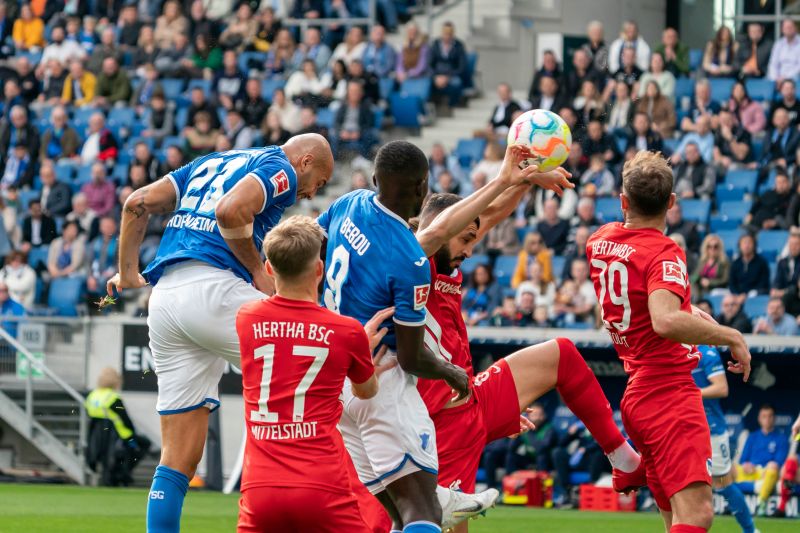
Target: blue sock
{"type": "Point", "coordinates": [422, 527]}
{"type": "Point", "coordinates": [166, 500]}
{"type": "Point", "coordinates": [738, 507]}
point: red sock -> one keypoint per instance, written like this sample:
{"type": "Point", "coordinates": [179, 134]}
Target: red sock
{"type": "Point", "coordinates": [582, 394]}
{"type": "Point", "coordinates": [686, 528]}
{"type": "Point", "coordinates": [789, 475]}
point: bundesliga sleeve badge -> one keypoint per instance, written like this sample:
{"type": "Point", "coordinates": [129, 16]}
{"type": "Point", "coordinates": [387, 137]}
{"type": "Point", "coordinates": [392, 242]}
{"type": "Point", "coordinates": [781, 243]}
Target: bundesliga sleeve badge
{"type": "Point", "coordinates": [420, 296]}
{"type": "Point", "coordinates": [675, 272]}
{"type": "Point", "coordinates": [280, 183]}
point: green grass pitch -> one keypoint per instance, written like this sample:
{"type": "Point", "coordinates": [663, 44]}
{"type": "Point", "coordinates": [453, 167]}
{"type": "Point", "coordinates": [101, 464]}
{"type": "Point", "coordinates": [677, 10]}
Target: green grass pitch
{"type": "Point", "coordinates": [69, 509]}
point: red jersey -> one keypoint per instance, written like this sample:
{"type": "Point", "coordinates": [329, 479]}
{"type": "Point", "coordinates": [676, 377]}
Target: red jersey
{"type": "Point", "coordinates": [445, 335]}
{"type": "Point", "coordinates": [295, 357]}
{"type": "Point", "coordinates": [627, 265]}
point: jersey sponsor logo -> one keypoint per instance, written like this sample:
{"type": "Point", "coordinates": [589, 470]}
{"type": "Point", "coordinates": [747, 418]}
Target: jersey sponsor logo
{"type": "Point", "coordinates": [421, 296]}
{"type": "Point", "coordinates": [674, 272]}
{"type": "Point", "coordinates": [156, 494]}
{"type": "Point", "coordinates": [447, 288]}
{"type": "Point", "coordinates": [192, 222]}
{"type": "Point", "coordinates": [280, 183]}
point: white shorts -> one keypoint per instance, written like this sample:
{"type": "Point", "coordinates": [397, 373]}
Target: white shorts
{"type": "Point", "coordinates": [192, 322]}
{"type": "Point", "coordinates": [720, 454]}
{"type": "Point", "coordinates": [390, 435]}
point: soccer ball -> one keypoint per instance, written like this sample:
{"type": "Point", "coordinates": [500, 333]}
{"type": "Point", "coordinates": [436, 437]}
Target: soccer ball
{"type": "Point", "coordinates": [545, 134]}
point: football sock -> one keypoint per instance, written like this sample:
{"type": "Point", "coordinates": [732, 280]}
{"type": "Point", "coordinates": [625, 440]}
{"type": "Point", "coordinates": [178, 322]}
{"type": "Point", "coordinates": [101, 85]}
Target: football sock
{"type": "Point", "coordinates": [789, 475]}
{"type": "Point", "coordinates": [166, 500]}
{"type": "Point", "coordinates": [422, 527]}
{"type": "Point", "coordinates": [583, 396]}
{"type": "Point", "coordinates": [738, 506]}
{"type": "Point", "coordinates": [395, 531]}
{"type": "Point", "coordinates": [686, 528]}
{"type": "Point", "coordinates": [768, 484]}
{"type": "Point", "coordinates": [625, 458]}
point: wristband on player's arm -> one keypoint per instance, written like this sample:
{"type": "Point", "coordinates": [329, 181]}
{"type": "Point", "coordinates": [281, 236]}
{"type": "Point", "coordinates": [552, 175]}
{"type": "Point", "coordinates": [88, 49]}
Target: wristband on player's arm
{"type": "Point", "coordinates": [241, 232]}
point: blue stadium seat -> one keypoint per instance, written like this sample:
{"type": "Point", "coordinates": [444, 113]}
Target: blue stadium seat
{"type": "Point", "coordinates": [65, 295]}
{"type": "Point", "coordinates": [670, 145]}
{"type": "Point", "coordinates": [728, 193]}
{"type": "Point", "coordinates": [149, 141]}
{"type": "Point", "coordinates": [172, 88]}
{"type": "Point", "coordinates": [84, 173]}
{"type": "Point", "coordinates": [469, 151]}
{"type": "Point", "coordinates": [325, 118]}
{"type": "Point", "coordinates": [695, 58]}
{"type": "Point", "coordinates": [203, 84]}
{"type": "Point", "coordinates": [504, 269]}
{"type": "Point", "coordinates": [419, 87]}
{"type": "Point", "coordinates": [468, 78]}
{"type": "Point", "coordinates": [757, 146]}
{"type": "Point", "coordinates": [608, 209]}
{"type": "Point", "coordinates": [730, 238]}
{"type": "Point", "coordinates": [742, 179]}
{"type": "Point", "coordinates": [120, 173]}
{"type": "Point", "coordinates": [721, 88]}
{"type": "Point", "coordinates": [377, 115]}
{"type": "Point", "coordinates": [769, 183]}
{"type": "Point", "coordinates": [771, 243]}
{"type": "Point", "coordinates": [246, 58]}
{"type": "Point", "coordinates": [37, 257]}
{"type": "Point", "coordinates": [172, 140]}
{"type": "Point", "coordinates": [268, 87]}
{"type": "Point", "coordinates": [773, 269]}
{"type": "Point", "coordinates": [406, 110]}
{"type": "Point", "coordinates": [760, 89]}
{"type": "Point", "coordinates": [386, 87]}
{"type": "Point", "coordinates": [696, 210]}
{"type": "Point", "coordinates": [124, 116]}
{"type": "Point", "coordinates": [756, 306]}
{"type": "Point", "coordinates": [64, 173]}
{"type": "Point", "coordinates": [558, 262]}
{"type": "Point", "coordinates": [736, 210]}
{"type": "Point", "coordinates": [720, 222]}
{"type": "Point", "coordinates": [26, 196]}
{"type": "Point", "coordinates": [683, 87]}
{"type": "Point", "coordinates": [181, 118]}
{"type": "Point", "coordinates": [716, 302]}
{"type": "Point", "coordinates": [81, 115]}
{"type": "Point", "coordinates": [470, 263]}
{"type": "Point", "coordinates": [563, 418]}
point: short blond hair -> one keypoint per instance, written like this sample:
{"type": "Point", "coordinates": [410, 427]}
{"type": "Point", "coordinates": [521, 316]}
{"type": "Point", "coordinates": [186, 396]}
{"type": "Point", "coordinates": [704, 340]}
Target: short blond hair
{"type": "Point", "coordinates": [293, 246]}
{"type": "Point", "coordinates": [109, 378]}
{"type": "Point", "coordinates": [647, 182]}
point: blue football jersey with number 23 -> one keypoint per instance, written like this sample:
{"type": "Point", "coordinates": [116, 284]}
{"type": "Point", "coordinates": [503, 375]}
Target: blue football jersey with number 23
{"type": "Point", "coordinates": [192, 232]}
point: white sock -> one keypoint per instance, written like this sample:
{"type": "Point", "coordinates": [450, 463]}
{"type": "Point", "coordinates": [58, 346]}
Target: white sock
{"type": "Point", "coordinates": [625, 458]}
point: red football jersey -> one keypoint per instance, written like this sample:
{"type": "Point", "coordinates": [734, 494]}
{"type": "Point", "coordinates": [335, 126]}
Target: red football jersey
{"type": "Point", "coordinates": [295, 357]}
{"type": "Point", "coordinates": [626, 265]}
{"type": "Point", "coordinates": [445, 335]}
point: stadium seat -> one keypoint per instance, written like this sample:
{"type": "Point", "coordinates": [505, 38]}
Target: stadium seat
{"type": "Point", "coordinates": [173, 140]}
{"type": "Point", "coordinates": [26, 196]}
{"type": "Point", "coordinates": [81, 115]}
{"type": "Point", "coordinates": [720, 222]}
{"type": "Point", "coordinates": [756, 306]}
{"type": "Point", "coordinates": [771, 243]}
{"type": "Point", "coordinates": [736, 210]}
{"type": "Point", "coordinates": [670, 145]}
{"type": "Point", "coordinates": [172, 88]}
{"type": "Point", "coordinates": [419, 87]}
{"type": "Point", "coordinates": [558, 262]}
{"type": "Point", "coordinates": [504, 269]}
{"type": "Point", "coordinates": [65, 295]}
{"type": "Point", "coordinates": [469, 151]}
{"type": "Point", "coordinates": [470, 263]}
{"type": "Point", "coordinates": [377, 115]}
{"type": "Point", "coordinates": [696, 210]}
{"type": "Point", "coordinates": [716, 302]}
{"type": "Point", "coordinates": [721, 88]}
{"type": "Point", "coordinates": [742, 179]}
{"type": "Point", "coordinates": [769, 183]}
{"type": "Point", "coordinates": [386, 87]}
{"type": "Point", "coordinates": [608, 209]}
{"type": "Point", "coordinates": [37, 257]}
{"type": "Point", "coordinates": [181, 118]}
{"type": "Point", "coordinates": [757, 145]}
{"type": "Point", "coordinates": [684, 87]}
{"type": "Point", "coordinates": [760, 89]}
{"type": "Point", "coordinates": [84, 173]}
{"type": "Point", "coordinates": [563, 418]}
{"type": "Point", "coordinates": [64, 173]}
{"type": "Point", "coordinates": [730, 239]}
{"type": "Point", "coordinates": [246, 59]}
{"type": "Point", "coordinates": [406, 110]}
{"type": "Point", "coordinates": [120, 173]}
{"type": "Point", "coordinates": [124, 116]}
{"type": "Point", "coordinates": [268, 87]}
{"type": "Point", "coordinates": [469, 72]}
{"type": "Point", "coordinates": [728, 193]}
{"type": "Point", "coordinates": [325, 118]}
{"type": "Point", "coordinates": [203, 84]}
{"type": "Point", "coordinates": [695, 58]}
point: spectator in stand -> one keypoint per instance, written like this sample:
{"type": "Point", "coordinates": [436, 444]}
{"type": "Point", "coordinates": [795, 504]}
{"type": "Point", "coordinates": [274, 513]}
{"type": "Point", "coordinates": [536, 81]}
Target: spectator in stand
{"type": "Point", "coordinates": [304, 86]}
{"type": "Point", "coordinates": [784, 60]}
{"type": "Point", "coordinates": [175, 61]}
{"type": "Point", "coordinates": [577, 162]}
{"type": "Point", "coordinates": [368, 81]}
{"type": "Point", "coordinates": [38, 229]}
{"type": "Point", "coordinates": [359, 181]}
{"type": "Point", "coordinates": [142, 155]}
{"type": "Point", "coordinates": [229, 82]}
{"type": "Point", "coordinates": [351, 48]}
{"type": "Point", "coordinates": [719, 54]}
{"type": "Point", "coordinates": [107, 48]}
{"type": "Point", "coordinates": [61, 49]}
{"type": "Point", "coordinates": [174, 160]}
{"type": "Point", "coordinates": [702, 137]}
{"type": "Point", "coordinates": [642, 136]}
{"type": "Point", "coordinates": [787, 275]}
{"type": "Point", "coordinates": [28, 31]}
{"type": "Point", "coordinates": [544, 292]}
{"type": "Point", "coordinates": [170, 23]}
{"type": "Point", "coordinates": [239, 134]}
{"type": "Point", "coordinates": [205, 59]}
{"type": "Point", "coordinates": [576, 299]}
{"type": "Point", "coordinates": [677, 224]}
{"type": "Point", "coordinates": [749, 271]}
{"type": "Point", "coordinates": [585, 217]}
{"type": "Point", "coordinates": [308, 123]}
{"type": "Point", "coordinates": [59, 141]}
{"type": "Point", "coordinates": [128, 27]}
{"type": "Point", "coordinates": [16, 130]}
{"type": "Point", "coordinates": [268, 27]}
{"type": "Point", "coordinates": [701, 106]}
{"type": "Point", "coordinates": [589, 104]}
{"type": "Point", "coordinates": [502, 114]}
{"type": "Point", "coordinates": [598, 177]}
{"type": "Point", "coordinates": [380, 58]}
{"type": "Point", "coordinates": [446, 183]}
{"type": "Point", "coordinates": [658, 73]}
{"type": "Point", "coordinates": [770, 208]}
{"type": "Point", "coordinates": [577, 127]}
{"type": "Point", "coordinates": [780, 146]}
{"type": "Point", "coordinates": [79, 86]}
{"type": "Point", "coordinates": [553, 229]}
{"type": "Point", "coordinates": [56, 196]}
{"type": "Point", "coordinates": [582, 71]}
{"type": "Point", "coordinates": [160, 120]}
{"type": "Point", "coordinates": [27, 80]}
{"type": "Point", "coordinates": [288, 111]}
{"type": "Point", "coordinates": [788, 101]}
{"type": "Point", "coordinates": [307, 9]}
{"type": "Point", "coordinates": [776, 322]}
{"type": "Point", "coordinates": [502, 239]}
{"type": "Point", "coordinates": [201, 138]}
{"type": "Point", "coordinates": [586, 457]}
{"type": "Point", "coordinates": [137, 177]}
{"type": "Point", "coordinates": [253, 106]}
{"type": "Point", "coordinates": [731, 144]}
{"type": "Point", "coordinates": [506, 316]}
{"type": "Point", "coordinates": [674, 52]}
{"type": "Point", "coordinates": [354, 123]}
{"type": "Point", "coordinates": [752, 56]}
{"type": "Point", "coordinates": [694, 178]}
{"type": "Point", "coordinates": [9, 307]}
{"type": "Point", "coordinates": [17, 168]}
{"type": "Point", "coordinates": [620, 113]}
{"type": "Point", "coordinates": [750, 114]}
{"type": "Point", "coordinates": [102, 257]}
{"type": "Point", "coordinates": [596, 47]}
{"type": "Point", "coordinates": [312, 48]}
{"type": "Point", "coordinates": [439, 162]}
{"type": "Point", "coordinates": [629, 38]}
{"type": "Point", "coordinates": [712, 269]}
{"type": "Point", "coordinates": [413, 61]}
{"type": "Point", "coordinates": [599, 142]}
{"type": "Point", "coordinates": [659, 110]}
{"type": "Point", "coordinates": [548, 96]}
{"type": "Point", "coordinates": [448, 65]}
{"type": "Point", "coordinates": [627, 73]}
{"type": "Point", "coordinates": [533, 249]}
{"type": "Point", "coordinates": [491, 163]}
{"type": "Point", "coordinates": [147, 50]}
{"type": "Point", "coordinates": [113, 85]}
{"type": "Point", "coordinates": [100, 145]}
{"type": "Point", "coordinates": [52, 85]}
{"type": "Point", "coordinates": [764, 452]}
{"type": "Point", "coordinates": [549, 69]}
{"type": "Point", "coordinates": [19, 279]}
{"type": "Point", "coordinates": [733, 316]}
{"type": "Point", "coordinates": [83, 215]}
{"type": "Point", "coordinates": [241, 29]}
{"type": "Point", "coordinates": [100, 192]}
{"type": "Point", "coordinates": [525, 309]}
{"type": "Point", "coordinates": [66, 254]}
{"type": "Point", "coordinates": [12, 96]}
{"type": "Point", "coordinates": [576, 249]}
{"type": "Point", "coordinates": [197, 104]}
{"type": "Point", "coordinates": [482, 296]}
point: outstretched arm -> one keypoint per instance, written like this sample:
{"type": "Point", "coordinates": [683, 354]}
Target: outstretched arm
{"type": "Point", "coordinates": [157, 198]}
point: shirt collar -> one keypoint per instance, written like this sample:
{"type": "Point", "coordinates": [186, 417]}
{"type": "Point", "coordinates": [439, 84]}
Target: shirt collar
{"type": "Point", "coordinates": [386, 210]}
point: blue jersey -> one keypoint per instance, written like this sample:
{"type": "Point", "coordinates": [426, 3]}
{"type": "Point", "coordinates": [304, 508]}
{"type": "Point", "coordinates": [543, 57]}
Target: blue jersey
{"type": "Point", "coordinates": [762, 448]}
{"type": "Point", "coordinates": [192, 232]}
{"type": "Point", "coordinates": [373, 261]}
{"type": "Point", "coordinates": [710, 365]}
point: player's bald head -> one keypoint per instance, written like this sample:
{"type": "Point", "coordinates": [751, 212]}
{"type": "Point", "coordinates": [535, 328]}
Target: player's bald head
{"type": "Point", "coordinates": [312, 159]}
